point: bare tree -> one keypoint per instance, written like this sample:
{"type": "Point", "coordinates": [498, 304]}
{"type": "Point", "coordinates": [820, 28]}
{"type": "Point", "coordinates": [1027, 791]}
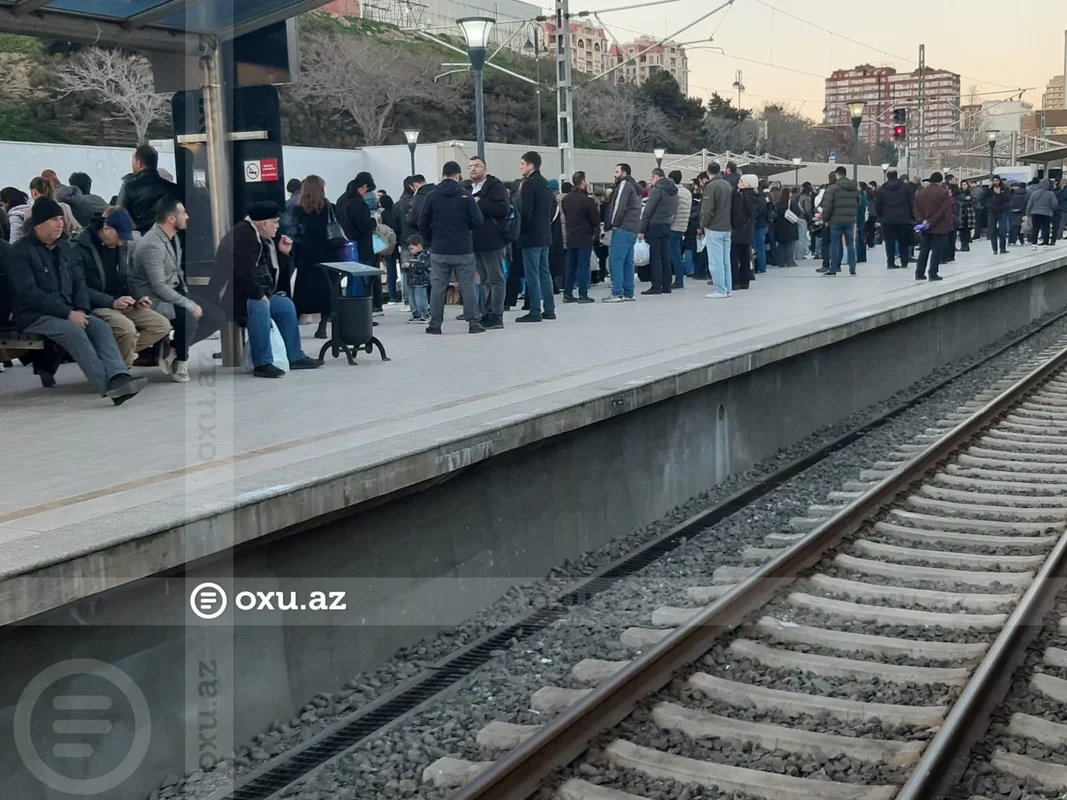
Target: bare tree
{"type": "Point", "coordinates": [118, 79]}
{"type": "Point", "coordinates": [366, 80]}
{"type": "Point", "coordinates": [613, 113]}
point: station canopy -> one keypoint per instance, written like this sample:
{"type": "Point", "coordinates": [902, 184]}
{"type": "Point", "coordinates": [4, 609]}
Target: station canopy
{"type": "Point", "coordinates": [148, 25]}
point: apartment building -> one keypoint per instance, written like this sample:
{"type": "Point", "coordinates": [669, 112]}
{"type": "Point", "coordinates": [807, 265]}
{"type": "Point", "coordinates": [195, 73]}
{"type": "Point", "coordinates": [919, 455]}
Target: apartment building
{"type": "Point", "coordinates": [513, 17]}
{"type": "Point", "coordinates": [1053, 97]}
{"type": "Point", "coordinates": [863, 82]}
{"type": "Point", "coordinates": [589, 46]}
{"type": "Point", "coordinates": [942, 105]}
{"type": "Point", "coordinates": [650, 57]}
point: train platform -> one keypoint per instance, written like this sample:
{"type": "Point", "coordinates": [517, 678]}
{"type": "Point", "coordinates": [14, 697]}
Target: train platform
{"type": "Point", "coordinates": [96, 496]}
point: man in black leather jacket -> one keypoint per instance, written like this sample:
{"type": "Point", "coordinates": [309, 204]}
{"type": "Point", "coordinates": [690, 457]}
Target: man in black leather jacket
{"type": "Point", "coordinates": [146, 187]}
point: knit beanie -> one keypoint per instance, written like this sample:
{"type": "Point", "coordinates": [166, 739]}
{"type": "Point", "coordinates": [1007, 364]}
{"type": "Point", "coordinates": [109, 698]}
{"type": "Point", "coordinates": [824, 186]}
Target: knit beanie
{"type": "Point", "coordinates": [44, 209]}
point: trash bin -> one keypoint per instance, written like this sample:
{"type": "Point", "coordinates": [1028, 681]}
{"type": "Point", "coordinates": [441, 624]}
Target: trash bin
{"type": "Point", "coordinates": [355, 323]}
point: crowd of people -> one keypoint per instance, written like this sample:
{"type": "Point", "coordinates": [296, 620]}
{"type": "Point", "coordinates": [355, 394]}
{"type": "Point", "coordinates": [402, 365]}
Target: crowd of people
{"type": "Point", "coordinates": [104, 282]}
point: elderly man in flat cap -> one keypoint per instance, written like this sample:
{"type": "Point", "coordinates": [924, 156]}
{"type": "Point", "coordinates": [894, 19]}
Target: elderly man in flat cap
{"type": "Point", "coordinates": [245, 279]}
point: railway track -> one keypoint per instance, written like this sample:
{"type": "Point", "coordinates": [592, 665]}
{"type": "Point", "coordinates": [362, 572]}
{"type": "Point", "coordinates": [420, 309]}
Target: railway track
{"type": "Point", "coordinates": [855, 657]}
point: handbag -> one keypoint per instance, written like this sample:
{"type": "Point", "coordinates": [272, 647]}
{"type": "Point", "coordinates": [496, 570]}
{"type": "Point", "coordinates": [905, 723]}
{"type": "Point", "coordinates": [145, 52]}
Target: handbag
{"type": "Point", "coordinates": [791, 217]}
{"type": "Point", "coordinates": [642, 254]}
{"type": "Point", "coordinates": [277, 351]}
{"type": "Point", "coordinates": [334, 232]}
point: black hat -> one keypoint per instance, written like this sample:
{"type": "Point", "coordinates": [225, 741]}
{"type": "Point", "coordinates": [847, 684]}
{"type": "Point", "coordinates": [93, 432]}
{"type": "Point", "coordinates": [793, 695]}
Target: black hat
{"type": "Point", "coordinates": [44, 209]}
{"type": "Point", "coordinates": [936, 177]}
{"type": "Point", "coordinates": [263, 210]}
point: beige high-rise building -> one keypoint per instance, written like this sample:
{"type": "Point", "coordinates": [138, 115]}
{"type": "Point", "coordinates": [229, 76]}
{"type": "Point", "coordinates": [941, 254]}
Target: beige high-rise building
{"type": "Point", "coordinates": [668, 56]}
{"type": "Point", "coordinates": [1053, 97]}
{"type": "Point", "coordinates": [589, 46]}
{"type": "Point", "coordinates": [863, 82]}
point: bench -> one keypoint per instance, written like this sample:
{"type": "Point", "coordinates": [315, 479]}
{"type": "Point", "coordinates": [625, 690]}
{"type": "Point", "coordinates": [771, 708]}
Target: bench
{"type": "Point", "coordinates": [14, 343]}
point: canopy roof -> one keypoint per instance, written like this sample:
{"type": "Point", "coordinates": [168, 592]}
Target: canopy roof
{"type": "Point", "coordinates": [161, 25]}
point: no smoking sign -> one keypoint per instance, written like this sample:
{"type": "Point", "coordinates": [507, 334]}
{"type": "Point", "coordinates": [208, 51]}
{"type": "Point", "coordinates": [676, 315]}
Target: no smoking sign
{"type": "Point", "coordinates": [262, 171]}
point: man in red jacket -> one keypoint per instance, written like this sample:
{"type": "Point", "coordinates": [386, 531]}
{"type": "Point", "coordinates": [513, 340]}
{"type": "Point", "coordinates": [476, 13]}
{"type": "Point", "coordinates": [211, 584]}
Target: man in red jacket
{"type": "Point", "coordinates": [933, 207]}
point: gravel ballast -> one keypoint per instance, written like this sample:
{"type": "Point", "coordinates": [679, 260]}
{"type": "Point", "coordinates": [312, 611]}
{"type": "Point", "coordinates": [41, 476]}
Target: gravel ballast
{"type": "Point", "coordinates": [390, 764]}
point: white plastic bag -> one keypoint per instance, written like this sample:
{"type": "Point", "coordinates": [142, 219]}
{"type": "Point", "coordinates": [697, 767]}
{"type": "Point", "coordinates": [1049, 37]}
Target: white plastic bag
{"type": "Point", "coordinates": [702, 243]}
{"type": "Point", "coordinates": [277, 351]}
{"type": "Point", "coordinates": [642, 254]}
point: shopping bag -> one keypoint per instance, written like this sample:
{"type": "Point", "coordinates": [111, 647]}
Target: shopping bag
{"type": "Point", "coordinates": [702, 243]}
{"type": "Point", "coordinates": [1026, 227]}
{"type": "Point", "coordinates": [277, 351]}
{"type": "Point", "coordinates": [642, 254]}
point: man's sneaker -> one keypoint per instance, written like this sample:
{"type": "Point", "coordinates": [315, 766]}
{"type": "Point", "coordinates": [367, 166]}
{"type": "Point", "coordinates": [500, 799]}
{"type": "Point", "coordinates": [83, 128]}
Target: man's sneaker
{"type": "Point", "coordinates": [415, 320]}
{"type": "Point", "coordinates": [935, 278]}
{"type": "Point", "coordinates": [179, 371]}
{"type": "Point", "coordinates": [529, 318]}
{"type": "Point", "coordinates": [492, 323]}
{"type": "Point", "coordinates": [433, 330]}
{"type": "Point", "coordinates": [268, 371]}
{"type": "Point", "coordinates": [306, 363]}
{"type": "Point", "coordinates": [124, 387]}
{"type": "Point", "coordinates": [48, 379]}
{"type": "Point", "coordinates": [586, 300]}
{"type": "Point", "coordinates": [549, 315]}
{"type": "Point", "coordinates": [461, 317]}
{"type": "Point", "coordinates": [822, 270]}
{"type": "Point", "coordinates": [628, 298]}
{"type": "Point", "coordinates": [613, 298]}
{"type": "Point", "coordinates": [475, 327]}
{"type": "Point", "coordinates": [163, 361]}
{"type": "Point", "coordinates": [379, 313]}
{"type": "Point", "coordinates": [569, 299]}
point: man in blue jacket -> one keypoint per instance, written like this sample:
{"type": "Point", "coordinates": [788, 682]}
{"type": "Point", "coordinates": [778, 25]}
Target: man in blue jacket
{"type": "Point", "coordinates": [447, 221]}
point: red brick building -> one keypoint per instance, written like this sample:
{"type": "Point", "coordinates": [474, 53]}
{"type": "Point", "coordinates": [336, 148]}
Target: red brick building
{"type": "Point", "coordinates": [342, 8]}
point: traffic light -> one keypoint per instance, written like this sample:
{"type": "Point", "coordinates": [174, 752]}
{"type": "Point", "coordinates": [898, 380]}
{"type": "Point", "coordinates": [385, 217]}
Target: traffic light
{"type": "Point", "coordinates": [900, 120]}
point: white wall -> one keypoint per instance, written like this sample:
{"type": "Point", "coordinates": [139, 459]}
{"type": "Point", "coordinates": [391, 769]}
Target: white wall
{"type": "Point", "coordinates": [20, 162]}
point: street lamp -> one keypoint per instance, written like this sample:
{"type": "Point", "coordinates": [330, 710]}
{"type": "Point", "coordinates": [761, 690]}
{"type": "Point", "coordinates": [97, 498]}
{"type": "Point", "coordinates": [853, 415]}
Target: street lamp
{"type": "Point", "coordinates": [413, 138]}
{"type": "Point", "coordinates": [476, 31]}
{"type": "Point", "coordinates": [535, 45]}
{"type": "Point", "coordinates": [855, 112]}
{"type": "Point", "coordinates": [992, 146]}
{"type": "Point", "coordinates": [796, 170]}
{"type": "Point", "coordinates": [885, 169]}
{"type": "Point", "coordinates": [659, 153]}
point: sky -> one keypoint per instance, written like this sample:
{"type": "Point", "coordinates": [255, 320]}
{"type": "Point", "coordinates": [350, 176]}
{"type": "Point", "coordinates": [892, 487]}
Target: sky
{"type": "Point", "coordinates": [957, 35]}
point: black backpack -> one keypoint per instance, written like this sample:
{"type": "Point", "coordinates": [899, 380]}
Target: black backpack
{"type": "Point", "coordinates": [740, 213]}
{"type": "Point", "coordinates": [511, 226]}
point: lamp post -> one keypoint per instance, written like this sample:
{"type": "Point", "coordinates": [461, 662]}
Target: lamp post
{"type": "Point", "coordinates": [413, 138]}
{"type": "Point", "coordinates": [992, 146]}
{"type": "Point", "coordinates": [659, 153]}
{"type": "Point", "coordinates": [476, 31]}
{"type": "Point", "coordinates": [855, 112]}
{"type": "Point", "coordinates": [885, 169]}
{"type": "Point", "coordinates": [796, 170]}
{"type": "Point", "coordinates": [535, 45]}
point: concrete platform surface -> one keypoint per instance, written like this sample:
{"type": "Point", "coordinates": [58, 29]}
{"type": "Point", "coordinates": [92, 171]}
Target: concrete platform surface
{"type": "Point", "coordinates": [193, 469]}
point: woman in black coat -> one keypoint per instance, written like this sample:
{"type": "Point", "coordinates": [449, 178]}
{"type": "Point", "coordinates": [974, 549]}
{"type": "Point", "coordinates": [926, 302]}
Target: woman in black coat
{"type": "Point", "coordinates": [785, 232]}
{"type": "Point", "coordinates": [306, 225]}
{"type": "Point", "coordinates": [741, 238]}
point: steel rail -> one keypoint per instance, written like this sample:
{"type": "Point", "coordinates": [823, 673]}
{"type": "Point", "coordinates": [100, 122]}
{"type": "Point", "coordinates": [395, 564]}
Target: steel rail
{"type": "Point", "coordinates": [522, 771]}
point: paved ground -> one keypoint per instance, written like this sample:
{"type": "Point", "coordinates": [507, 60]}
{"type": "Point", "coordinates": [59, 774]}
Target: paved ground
{"type": "Point", "coordinates": [86, 474]}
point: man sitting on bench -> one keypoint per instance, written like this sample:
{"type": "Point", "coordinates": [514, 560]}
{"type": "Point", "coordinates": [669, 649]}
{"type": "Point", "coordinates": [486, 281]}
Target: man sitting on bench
{"type": "Point", "coordinates": [245, 279]}
{"type": "Point", "coordinates": [49, 297]}
{"type": "Point", "coordinates": [103, 255]}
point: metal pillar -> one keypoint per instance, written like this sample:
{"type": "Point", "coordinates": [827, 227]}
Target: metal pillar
{"type": "Point", "coordinates": [704, 159]}
{"type": "Point", "coordinates": [218, 171]}
{"type": "Point", "coordinates": [856, 149]}
{"type": "Point", "coordinates": [478, 70]}
{"type": "Point", "coordinates": [537, 66]}
{"type": "Point", "coordinates": [922, 110]}
{"type": "Point", "coordinates": [1014, 148]}
{"type": "Point", "coordinates": [565, 91]}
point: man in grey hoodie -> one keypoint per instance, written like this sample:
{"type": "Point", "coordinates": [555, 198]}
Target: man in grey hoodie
{"type": "Point", "coordinates": [1040, 208]}
{"type": "Point", "coordinates": [656, 229]}
{"type": "Point", "coordinates": [624, 222]}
